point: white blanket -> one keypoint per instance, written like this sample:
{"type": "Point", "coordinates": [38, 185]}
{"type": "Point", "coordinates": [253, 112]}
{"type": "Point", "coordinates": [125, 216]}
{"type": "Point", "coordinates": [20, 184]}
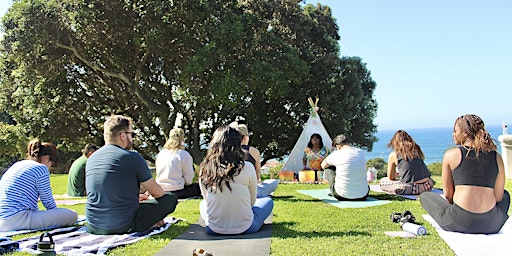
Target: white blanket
{"type": "Point", "coordinates": [477, 244]}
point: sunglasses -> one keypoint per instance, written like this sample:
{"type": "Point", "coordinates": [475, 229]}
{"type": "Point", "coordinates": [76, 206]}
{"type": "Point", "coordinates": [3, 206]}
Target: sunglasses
{"type": "Point", "coordinates": [132, 133]}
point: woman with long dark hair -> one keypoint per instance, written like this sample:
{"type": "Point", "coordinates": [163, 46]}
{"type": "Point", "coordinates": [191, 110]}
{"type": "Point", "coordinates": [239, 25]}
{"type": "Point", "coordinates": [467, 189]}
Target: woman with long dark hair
{"type": "Point", "coordinates": [228, 185]}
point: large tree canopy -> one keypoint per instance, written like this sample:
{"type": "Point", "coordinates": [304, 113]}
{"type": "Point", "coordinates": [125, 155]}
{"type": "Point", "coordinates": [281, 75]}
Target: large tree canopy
{"type": "Point", "coordinates": [66, 64]}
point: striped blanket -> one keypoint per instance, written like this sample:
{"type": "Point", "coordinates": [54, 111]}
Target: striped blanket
{"type": "Point", "coordinates": [76, 240]}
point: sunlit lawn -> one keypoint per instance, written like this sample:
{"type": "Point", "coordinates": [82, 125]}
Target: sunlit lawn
{"type": "Point", "coordinates": [306, 226]}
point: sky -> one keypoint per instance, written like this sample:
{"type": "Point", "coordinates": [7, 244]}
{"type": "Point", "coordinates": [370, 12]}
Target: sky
{"type": "Point", "coordinates": [432, 60]}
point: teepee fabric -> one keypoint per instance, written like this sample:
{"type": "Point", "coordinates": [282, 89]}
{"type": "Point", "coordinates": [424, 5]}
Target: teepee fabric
{"type": "Point", "coordinates": [314, 125]}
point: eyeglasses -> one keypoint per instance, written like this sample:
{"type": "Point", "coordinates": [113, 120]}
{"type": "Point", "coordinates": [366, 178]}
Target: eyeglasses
{"type": "Point", "coordinates": [132, 133]}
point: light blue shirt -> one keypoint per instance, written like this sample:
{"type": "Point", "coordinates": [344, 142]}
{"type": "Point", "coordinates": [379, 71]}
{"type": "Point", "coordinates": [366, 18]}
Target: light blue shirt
{"type": "Point", "coordinates": [21, 187]}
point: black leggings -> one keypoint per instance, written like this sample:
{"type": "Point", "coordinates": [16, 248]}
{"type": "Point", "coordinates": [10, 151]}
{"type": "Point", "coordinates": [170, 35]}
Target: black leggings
{"type": "Point", "coordinates": [149, 213]}
{"type": "Point", "coordinates": [452, 217]}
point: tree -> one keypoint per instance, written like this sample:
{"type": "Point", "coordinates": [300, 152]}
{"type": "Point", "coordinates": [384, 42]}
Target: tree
{"type": "Point", "coordinates": [67, 64]}
{"type": "Point", "coordinates": [13, 144]}
{"type": "Point", "coordinates": [353, 109]}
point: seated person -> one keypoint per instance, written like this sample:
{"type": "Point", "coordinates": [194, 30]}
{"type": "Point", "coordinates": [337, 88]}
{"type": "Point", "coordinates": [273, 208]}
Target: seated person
{"type": "Point", "coordinates": [228, 185]}
{"type": "Point", "coordinates": [473, 183]}
{"type": "Point", "coordinates": [113, 178]}
{"type": "Point", "coordinates": [175, 168]}
{"type": "Point", "coordinates": [348, 182]}
{"type": "Point", "coordinates": [23, 184]}
{"type": "Point", "coordinates": [252, 155]}
{"type": "Point", "coordinates": [314, 154]}
{"type": "Point", "coordinates": [76, 175]}
{"type": "Point", "coordinates": [407, 157]}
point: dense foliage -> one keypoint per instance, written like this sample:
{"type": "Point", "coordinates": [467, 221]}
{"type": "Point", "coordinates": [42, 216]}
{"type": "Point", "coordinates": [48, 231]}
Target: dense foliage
{"type": "Point", "coordinates": [66, 64]}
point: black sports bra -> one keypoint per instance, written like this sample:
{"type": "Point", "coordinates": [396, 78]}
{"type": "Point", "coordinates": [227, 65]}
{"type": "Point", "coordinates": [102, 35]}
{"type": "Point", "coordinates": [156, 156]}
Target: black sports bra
{"type": "Point", "coordinates": [481, 171]}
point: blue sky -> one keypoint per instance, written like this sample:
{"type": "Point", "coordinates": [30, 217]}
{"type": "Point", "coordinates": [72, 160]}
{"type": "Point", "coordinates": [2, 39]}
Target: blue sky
{"type": "Point", "coordinates": [432, 60]}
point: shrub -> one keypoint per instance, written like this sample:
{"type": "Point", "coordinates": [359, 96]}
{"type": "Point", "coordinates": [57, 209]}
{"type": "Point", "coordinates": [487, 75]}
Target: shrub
{"type": "Point", "coordinates": [380, 165]}
{"type": "Point", "coordinates": [435, 168]}
{"type": "Point", "coordinates": [274, 171]}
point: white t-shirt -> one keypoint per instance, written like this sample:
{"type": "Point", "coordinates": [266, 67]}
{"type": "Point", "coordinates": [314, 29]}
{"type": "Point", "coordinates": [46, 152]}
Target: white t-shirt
{"type": "Point", "coordinates": [230, 211]}
{"type": "Point", "coordinates": [174, 170]}
{"type": "Point", "coordinates": [350, 181]}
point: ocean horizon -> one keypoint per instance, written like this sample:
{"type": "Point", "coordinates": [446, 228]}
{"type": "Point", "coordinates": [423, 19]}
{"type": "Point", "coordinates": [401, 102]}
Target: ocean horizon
{"type": "Point", "coordinates": [433, 142]}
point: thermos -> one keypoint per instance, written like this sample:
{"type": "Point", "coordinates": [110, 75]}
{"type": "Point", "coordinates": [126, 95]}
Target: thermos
{"type": "Point", "coordinates": [414, 228]}
{"type": "Point", "coordinates": [46, 248]}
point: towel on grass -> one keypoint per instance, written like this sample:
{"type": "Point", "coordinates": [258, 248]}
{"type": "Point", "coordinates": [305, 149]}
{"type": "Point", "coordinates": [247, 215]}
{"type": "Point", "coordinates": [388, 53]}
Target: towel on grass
{"type": "Point", "coordinates": [66, 196]}
{"type": "Point", "coordinates": [376, 188]}
{"type": "Point", "coordinates": [70, 201]}
{"type": "Point", "coordinates": [81, 219]}
{"type": "Point", "coordinates": [255, 244]}
{"type": "Point", "coordinates": [322, 194]}
{"type": "Point", "coordinates": [476, 244]}
{"type": "Point", "coordinates": [76, 240]}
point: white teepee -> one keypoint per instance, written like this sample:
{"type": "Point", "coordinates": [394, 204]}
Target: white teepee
{"type": "Point", "coordinates": [314, 125]}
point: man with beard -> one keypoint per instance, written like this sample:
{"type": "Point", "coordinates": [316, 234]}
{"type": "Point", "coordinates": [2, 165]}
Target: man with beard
{"type": "Point", "coordinates": [114, 175]}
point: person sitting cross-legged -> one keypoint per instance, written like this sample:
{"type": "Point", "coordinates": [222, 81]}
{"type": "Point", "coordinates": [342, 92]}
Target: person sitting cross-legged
{"type": "Point", "coordinates": [175, 168]}
{"type": "Point", "coordinates": [113, 178]}
{"type": "Point", "coordinates": [76, 175]}
{"type": "Point", "coordinates": [228, 185]}
{"type": "Point", "coordinates": [348, 182]}
{"type": "Point", "coordinates": [252, 154]}
{"type": "Point", "coordinates": [23, 184]}
{"type": "Point", "coordinates": [406, 158]}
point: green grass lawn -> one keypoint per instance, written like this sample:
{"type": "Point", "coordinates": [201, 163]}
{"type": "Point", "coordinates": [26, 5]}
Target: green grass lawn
{"type": "Point", "coordinates": [306, 226]}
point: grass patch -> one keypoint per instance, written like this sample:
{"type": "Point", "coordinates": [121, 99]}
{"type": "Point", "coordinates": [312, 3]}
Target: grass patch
{"type": "Point", "coordinates": [306, 226]}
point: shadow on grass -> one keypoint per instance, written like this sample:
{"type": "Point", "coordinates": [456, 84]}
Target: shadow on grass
{"type": "Point", "coordinates": [294, 199]}
{"type": "Point", "coordinates": [282, 230]}
{"type": "Point", "coordinates": [389, 197]}
{"type": "Point", "coordinates": [380, 196]}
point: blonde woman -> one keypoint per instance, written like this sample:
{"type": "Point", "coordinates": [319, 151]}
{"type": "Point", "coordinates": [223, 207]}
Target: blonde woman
{"type": "Point", "coordinates": [473, 183]}
{"type": "Point", "coordinates": [406, 158]}
{"type": "Point", "coordinates": [175, 168]}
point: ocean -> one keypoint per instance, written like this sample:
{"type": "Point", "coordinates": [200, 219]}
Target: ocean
{"type": "Point", "coordinates": [433, 141]}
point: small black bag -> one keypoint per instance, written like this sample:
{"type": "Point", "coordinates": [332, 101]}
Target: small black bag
{"type": "Point", "coordinates": [403, 217]}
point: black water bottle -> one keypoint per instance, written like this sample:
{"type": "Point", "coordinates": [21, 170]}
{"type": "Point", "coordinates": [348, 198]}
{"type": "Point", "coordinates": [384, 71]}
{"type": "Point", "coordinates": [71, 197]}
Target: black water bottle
{"type": "Point", "coordinates": [46, 248]}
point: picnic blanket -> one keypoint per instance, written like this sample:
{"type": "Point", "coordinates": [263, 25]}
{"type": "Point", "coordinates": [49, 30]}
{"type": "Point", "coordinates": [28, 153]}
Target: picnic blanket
{"type": "Point", "coordinates": [255, 244]}
{"type": "Point", "coordinates": [322, 194]}
{"type": "Point", "coordinates": [76, 240]}
{"type": "Point", "coordinates": [476, 244]}
{"type": "Point", "coordinates": [376, 188]}
{"type": "Point", "coordinates": [81, 219]}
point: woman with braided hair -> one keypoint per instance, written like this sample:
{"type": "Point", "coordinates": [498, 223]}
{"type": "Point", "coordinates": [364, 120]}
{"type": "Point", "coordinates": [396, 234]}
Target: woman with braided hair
{"type": "Point", "coordinates": [23, 184]}
{"type": "Point", "coordinates": [473, 183]}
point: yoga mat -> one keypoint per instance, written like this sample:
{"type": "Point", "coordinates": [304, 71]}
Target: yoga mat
{"type": "Point", "coordinates": [322, 194]}
{"type": "Point", "coordinates": [376, 188]}
{"type": "Point", "coordinates": [256, 244]}
{"type": "Point", "coordinates": [476, 244]}
{"type": "Point", "coordinates": [81, 219]}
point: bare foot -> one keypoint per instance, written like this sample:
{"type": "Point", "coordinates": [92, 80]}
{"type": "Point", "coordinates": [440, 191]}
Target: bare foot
{"type": "Point", "coordinates": [159, 224]}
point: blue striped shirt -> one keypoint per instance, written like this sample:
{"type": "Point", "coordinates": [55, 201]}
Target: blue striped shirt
{"type": "Point", "coordinates": [22, 185]}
